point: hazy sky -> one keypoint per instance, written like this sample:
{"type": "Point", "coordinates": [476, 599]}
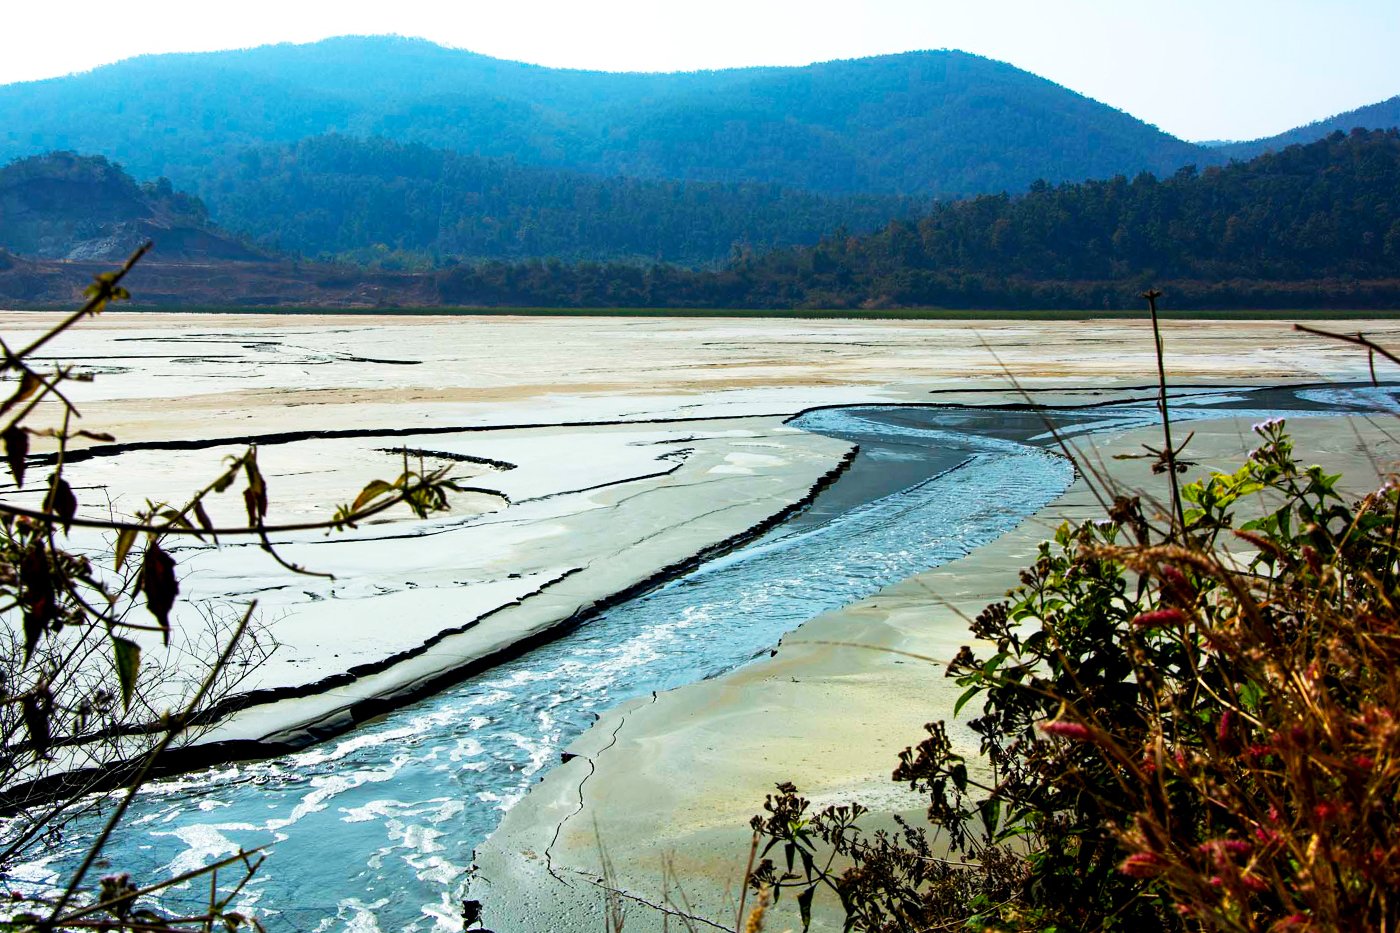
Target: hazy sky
{"type": "Point", "coordinates": [1201, 69]}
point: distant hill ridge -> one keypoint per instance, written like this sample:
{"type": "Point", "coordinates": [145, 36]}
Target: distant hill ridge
{"type": "Point", "coordinates": [920, 123]}
{"type": "Point", "coordinates": [1378, 116]}
{"type": "Point", "coordinates": [930, 123]}
{"type": "Point", "coordinates": [339, 197]}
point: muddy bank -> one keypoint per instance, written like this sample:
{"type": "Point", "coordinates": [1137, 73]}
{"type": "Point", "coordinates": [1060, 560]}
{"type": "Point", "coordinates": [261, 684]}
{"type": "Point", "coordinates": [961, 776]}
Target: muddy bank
{"type": "Point", "coordinates": [672, 780]}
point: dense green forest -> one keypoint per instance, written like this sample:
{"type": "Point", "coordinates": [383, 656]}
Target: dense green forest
{"type": "Point", "coordinates": [1312, 226]}
{"type": "Point", "coordinates": [392, 204]}
{"type": "Point", "coordinates": [921, 123]}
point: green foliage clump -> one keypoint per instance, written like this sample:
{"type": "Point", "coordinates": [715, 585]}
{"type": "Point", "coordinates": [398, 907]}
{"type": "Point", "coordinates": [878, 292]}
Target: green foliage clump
{"type": "Point", "coordinates": [1191, 727]}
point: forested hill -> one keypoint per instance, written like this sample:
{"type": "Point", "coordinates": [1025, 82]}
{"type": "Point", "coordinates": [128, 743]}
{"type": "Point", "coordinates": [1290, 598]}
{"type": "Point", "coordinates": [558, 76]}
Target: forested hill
{"type": "Point", "coordinates": [1326, 210]}
{"type": "Point", "coordinates": [391, 203]}
{"type": "Point", "coordinates": [921, 123]}
{"type": "Point", "coordinates": [1380, 116]}
{"type": "Point", "coordinates": [65, 206]}
{"type": "Point", "coordinates": [1314, 226]}
{"type": "Point", "coordinates": [1311, 226]}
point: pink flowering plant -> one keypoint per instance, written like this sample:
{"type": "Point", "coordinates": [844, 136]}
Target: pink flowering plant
{"type": "Point", "coordinates": [1189, 721]}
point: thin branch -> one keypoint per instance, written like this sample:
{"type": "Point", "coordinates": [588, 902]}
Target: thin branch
{"type": "Point", "coordinates": [117, 525]}
{"type": "Point", "coordinates": [95, 850]}
{"type": "Point", "coordinates": [1360, 339]}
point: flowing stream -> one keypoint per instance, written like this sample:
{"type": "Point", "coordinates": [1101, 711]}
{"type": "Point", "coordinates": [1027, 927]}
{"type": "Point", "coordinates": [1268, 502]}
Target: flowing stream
{"type": "Point", "coordinates": [375, 830]}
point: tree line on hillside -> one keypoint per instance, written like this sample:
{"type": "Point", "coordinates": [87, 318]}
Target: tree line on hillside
{"type": "Point", "coordinates": [1315, 225]}
{"type": "Point", "coordinates": [390, 204]}
{"type": "Point", "coordinates": [1312, 226]}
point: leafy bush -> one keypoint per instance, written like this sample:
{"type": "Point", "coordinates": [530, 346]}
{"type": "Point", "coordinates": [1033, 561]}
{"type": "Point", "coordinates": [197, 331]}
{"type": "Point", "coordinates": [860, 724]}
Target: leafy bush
{"type": "Point", "coordinates": [1192, 724]}
{"type": "Point", "coordinates": [81, 707]}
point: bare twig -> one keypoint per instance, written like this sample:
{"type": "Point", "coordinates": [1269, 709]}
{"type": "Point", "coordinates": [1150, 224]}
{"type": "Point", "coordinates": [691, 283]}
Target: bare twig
{"type": "Point", "coordinates": [176, 726]}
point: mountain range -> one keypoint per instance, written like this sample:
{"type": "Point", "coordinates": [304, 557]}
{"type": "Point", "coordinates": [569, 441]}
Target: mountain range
{"type": "Point", "coordinates": [930, 124]}
{"type": "Point", "coordinates": [1315, 226]}
{"type": "Point", "coordinates": [404, 154]}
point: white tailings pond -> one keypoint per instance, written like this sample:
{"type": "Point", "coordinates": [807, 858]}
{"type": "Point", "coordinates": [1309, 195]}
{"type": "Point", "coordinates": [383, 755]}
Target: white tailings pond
{"type": "Point", "coordinates": [374, 829]}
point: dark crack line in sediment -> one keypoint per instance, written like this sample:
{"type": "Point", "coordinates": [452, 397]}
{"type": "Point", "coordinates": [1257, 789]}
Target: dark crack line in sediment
{"type": "Point", "coordinates": [592, 769]}
{"type": "Point", "coordinates": [502, 465]}
{"type": "Point", "coordinates": [289, 437]}
{"type": "Point", "coordinates": [612, 482]}
{"type": "Point", "coordinates": [1076, 406]}
{"type": "Point", "coordinates": [601, 883]}
{"type": "Point", "coordinates": [638, 899]}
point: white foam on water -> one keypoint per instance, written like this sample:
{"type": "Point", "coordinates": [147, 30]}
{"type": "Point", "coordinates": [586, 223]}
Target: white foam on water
{"type": "Point", "coordinates": [355, 916]}
{"type": "Point", "coordinates": [205, 843]}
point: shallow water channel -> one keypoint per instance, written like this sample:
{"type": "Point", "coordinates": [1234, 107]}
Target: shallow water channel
{"type": "Point", "coordinates": [375, 830]}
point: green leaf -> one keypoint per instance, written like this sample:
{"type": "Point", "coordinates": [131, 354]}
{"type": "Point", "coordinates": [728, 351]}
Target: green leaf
{"type": "Point", "coordinates": [374, 490]}
{"type": "Point", "coordinates": [127, 657]}
{"type": "Point", "coordinates": [990, 811]}
{"type": "Point", "coordinates": [967, 694]}
{"type": "Point", "coordinates": [125, 538]}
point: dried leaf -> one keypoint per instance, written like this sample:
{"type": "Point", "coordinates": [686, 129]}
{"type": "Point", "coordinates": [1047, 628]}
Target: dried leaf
{"type": "Point", "coordinates": [255, 494]}
{"type": "Point", "coordinates": [36, 706]}
{"type": "Point", "coordinates": [16, 450]}
{"type": "Point", "coordinates": [203, 517]}
{"type": "Point", "coordinates": [126, 655]}
{"type": "Point", "coordinates": [37, 596]}
{"type": "Point", "coordinates": [28, 385]}
{"type": "Point", "coordinates": [159, 585]}
{"type": "Point", "coordinates": [62, 502]}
